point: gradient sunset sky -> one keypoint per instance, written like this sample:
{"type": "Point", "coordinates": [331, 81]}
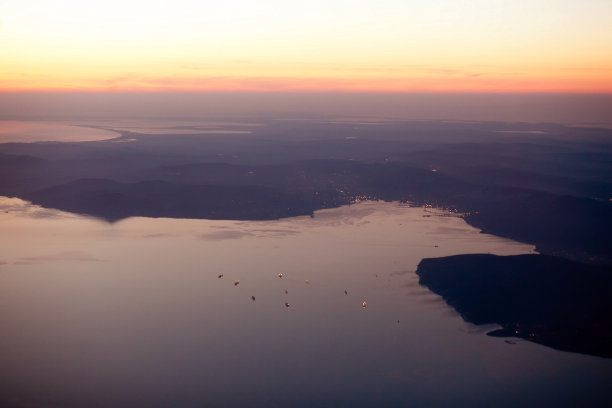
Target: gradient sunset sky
{"type": "Point", "coordinates": [315, 45]}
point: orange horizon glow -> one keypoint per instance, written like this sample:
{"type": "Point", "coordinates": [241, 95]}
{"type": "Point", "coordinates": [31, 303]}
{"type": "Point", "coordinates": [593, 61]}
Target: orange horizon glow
{"type": "Point", "coordinates": [322, 85]}
{"type": "Point", "coordinates": [387, 46]}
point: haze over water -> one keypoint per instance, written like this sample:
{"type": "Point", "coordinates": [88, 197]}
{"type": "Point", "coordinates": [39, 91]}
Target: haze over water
{"type": "Point", "coordinates": [13, 131]}
{"type": "Point", "coordinates": [134, 314]}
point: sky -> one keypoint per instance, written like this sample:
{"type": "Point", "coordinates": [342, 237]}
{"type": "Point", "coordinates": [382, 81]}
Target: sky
{"type": "Point", "coordinates": [307, 46]}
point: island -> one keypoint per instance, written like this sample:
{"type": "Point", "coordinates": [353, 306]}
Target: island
{"type": "Point", "coordinates": [548, 300]}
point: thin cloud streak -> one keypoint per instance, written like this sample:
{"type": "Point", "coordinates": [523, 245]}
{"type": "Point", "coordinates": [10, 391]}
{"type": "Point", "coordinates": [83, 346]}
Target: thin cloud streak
{"type": "Point", "coordinates": [449, 81]}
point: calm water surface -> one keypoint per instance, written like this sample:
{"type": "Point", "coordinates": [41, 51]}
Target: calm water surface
{"type": "Point", "coordinates": [13, 131]}
{"type": "Point", "coordinates": [133, 314]}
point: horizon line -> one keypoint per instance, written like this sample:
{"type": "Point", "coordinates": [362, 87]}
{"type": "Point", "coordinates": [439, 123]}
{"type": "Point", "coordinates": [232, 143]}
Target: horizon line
{"type": "Point", "coordinates": [298, 92]}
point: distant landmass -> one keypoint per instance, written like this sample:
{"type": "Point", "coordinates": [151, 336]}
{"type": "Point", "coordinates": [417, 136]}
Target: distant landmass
{"type": "Point", "coordinates": [548, 300]}
{"type": "Point", "coordinates": [544, 184]}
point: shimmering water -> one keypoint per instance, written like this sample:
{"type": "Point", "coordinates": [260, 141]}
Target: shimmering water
{"type": "Point", "coordinates": [133, 314]}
